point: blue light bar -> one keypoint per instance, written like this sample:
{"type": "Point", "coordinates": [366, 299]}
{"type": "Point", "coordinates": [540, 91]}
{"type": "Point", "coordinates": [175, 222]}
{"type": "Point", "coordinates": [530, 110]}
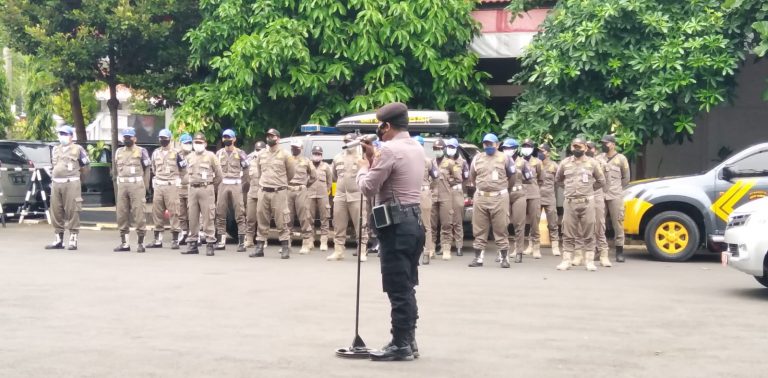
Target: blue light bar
{"type": "Point", "coordinates": [319, 129]}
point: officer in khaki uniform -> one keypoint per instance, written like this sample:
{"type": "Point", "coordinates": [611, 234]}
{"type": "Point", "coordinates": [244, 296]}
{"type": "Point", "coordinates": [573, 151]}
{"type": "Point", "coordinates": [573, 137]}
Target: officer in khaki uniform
{"type": "Point", "coordinates": [252, 194]}
{"type": "Point", "coordinates": [346, 203]}
{"type": "Point", "coordinates": [186, 148]}
{"type": "Point", "coordinates": [298, 195]}
{"type": "Point", "coordinates": [617, 178]}
{"type": "Point", "coordinates": [601, 243]}
{"type": "Point", "coordinates": [517, 200]}
{"type": "Point", "coordinates": [548, 196]}
{"type": "Point", "coordinates": [452, 151]}
{"type": "Point", "coordinates": [166, 166]}
{"type": "Point", "coordinates": [492, 173]}
{"type": "Point", "coordinates": [581, 176]}
{"type": "Point", "coordinates": [69, 162]}
{"type": "Point", "coordinates": [275, 169]}
{"type": "Point", "coordinates": [319, 200]}
{"type": "Point", "coordinates": [204, 172]}
{"type": "Point", "coordinates": [234, 164]}
{"type": "Point", "coordinates": [425, 204]}
{"type": "Point", "coordinates": [447, 181]}
{"type": "Point", "coordinates": [133, 164]}
{"type": "Point", "coordinates": [531, 184]}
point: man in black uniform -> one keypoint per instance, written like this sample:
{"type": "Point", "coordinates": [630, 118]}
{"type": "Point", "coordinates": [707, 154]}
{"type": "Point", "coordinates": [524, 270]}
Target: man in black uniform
{"type": "Point", "coordinates": [395, 181]}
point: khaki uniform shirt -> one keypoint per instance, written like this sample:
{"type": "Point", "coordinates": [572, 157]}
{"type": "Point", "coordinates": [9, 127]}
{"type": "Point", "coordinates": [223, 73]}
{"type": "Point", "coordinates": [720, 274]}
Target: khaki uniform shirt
{"type": "Point", "coordinates": [67, 160]}
{"type": "Point", "coordinates": [516, 190]}
{"type": "Point", "coordinates": [184, 172]}
{"type": "Point", "coordinates": [345, 168]}
{"type": "Point", "coordinates": [616, 175]}
{"type": "Point", "coordinates": [253, 171]}
{"type": "Point", "coordinates": [492, 173]}
{"type": "Point", "coordinates": [132, 161]}
{"type": "Point", "coordinates": [547, 189]}
{"type": "Point", "coordinates": [581, 177]}
{"type": "Point", "coordinates": [531, 186]}
{"type": "Point", "coordinates": [305, 171]}
{"type": "Point", "coordinates": [449, 176]}
{"type": "Point", "coordinates": [396, 172]}
{"type": "Point", "coordinates": [203, 168]}
{"type": "Point", "coordinates": [167, 164]}
{"type": "Point", "coordinates": [322, 186]}
{"type": "Point", "coordinates": [232, 162]}
{"type": "Point", "coordinates": [275, 168]}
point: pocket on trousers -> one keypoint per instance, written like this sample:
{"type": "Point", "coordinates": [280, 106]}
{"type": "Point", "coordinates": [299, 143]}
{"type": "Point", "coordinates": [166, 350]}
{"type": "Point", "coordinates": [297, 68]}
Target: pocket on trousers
{"type": "Point", "coordinates": [287, 217]}
{"type": "Point", "coordinates": [396, 282]}
{"type": "Point", "coordinates": [79, 204]}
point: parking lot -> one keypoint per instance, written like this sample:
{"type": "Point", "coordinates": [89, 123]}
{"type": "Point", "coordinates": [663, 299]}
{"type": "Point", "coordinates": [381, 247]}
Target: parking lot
{"type": "Point", "coordinates": [98, 313]}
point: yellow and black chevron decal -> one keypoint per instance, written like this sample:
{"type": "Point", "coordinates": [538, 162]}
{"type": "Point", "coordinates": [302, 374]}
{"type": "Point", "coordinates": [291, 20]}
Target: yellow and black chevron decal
{"type": "Point", "coordinates": [724, 205]}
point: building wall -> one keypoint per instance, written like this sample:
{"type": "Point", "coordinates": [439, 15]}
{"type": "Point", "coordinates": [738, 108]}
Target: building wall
{"type": "Point", "coordinates": [731, 126]}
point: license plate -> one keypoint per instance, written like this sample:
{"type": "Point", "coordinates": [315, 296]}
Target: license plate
{"type": "Point", "coordinates": [18, 180]}
{"type": "Point", "coordinates": [724, 258]}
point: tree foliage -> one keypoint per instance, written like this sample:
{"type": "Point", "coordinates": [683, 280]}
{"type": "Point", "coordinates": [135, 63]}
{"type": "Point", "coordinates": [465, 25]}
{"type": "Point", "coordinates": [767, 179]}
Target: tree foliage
{"type": "Point", "coordinates": [39, 95]}
{"type": "Point", "coordinates": [641, 69]}
{"type": "Point", "coordinates": [6, 117]}
{"type": "Point", "coordinates": [280, 63]}
{"type": "Point", "coordinates": [90, 105]}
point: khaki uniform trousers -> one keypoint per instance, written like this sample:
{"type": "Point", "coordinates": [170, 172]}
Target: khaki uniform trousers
{"type": "Point", "coordinates": [458, 218]}
{"type": "Point", "coordinates": [166, 198]}
{"type": "Point", "coordinates": [442, 217]}
{"type": "Point", "coordinates": [579, 225]}
{"type": "Point", "coordinates": [298, 204]}
{"type": "Point", "coordinates": [426, 220]}
{"type": "Point", "coordinates": [601, 242]}
{"type": "Point", "coordinates": [491, 213]}
{"type": "Point", "coordinates": [517, 216]}
{"type": "Point", "coordinates": [130, 207]}
{"type": "Point", "coordinates": [553, 223]}
{"type": "Point", "coordinates": [230, 194]}
{"type": "Point", "coordinates": [533, 217]}
{"type": "Point", "coordinates": [251, 215]}
{"type": "Point", "coordinates": [273, 204]}
{"type": "Point", "coordinates": [184, 209]}
{"type": "Point", "coordinates": [615, 208]}
{"type": "Point", "coordinates": [66, 205]}
{"type": "Point", "coordinates": [343, 212]}
{"type": "Point", "coordinates": [320, 208]}
{"type": "Point", "coordinates": [201, 209]}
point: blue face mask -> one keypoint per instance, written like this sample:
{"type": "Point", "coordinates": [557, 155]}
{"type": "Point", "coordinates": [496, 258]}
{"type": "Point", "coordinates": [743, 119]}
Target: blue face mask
{"type": "Point", "coordinates": [490, 150]}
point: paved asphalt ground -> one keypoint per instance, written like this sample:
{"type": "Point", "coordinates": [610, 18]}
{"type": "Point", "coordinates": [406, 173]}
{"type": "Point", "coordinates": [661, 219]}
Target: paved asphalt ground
{"type": "Point", "coordinates": [97, 313]}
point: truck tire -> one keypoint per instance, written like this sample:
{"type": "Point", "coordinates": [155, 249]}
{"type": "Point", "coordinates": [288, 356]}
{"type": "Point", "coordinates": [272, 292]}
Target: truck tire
{"type": "Point", "coordinates": [763, 280]}
{"type": "Point", "coordinates": [672, 236]}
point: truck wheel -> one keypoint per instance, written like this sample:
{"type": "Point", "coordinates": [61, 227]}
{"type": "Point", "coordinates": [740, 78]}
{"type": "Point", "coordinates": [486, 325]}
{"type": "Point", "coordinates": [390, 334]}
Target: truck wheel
{"type": "Point", "coordinates": [672, 236]}
{"type": "Point", "coordinates": [763, 280]}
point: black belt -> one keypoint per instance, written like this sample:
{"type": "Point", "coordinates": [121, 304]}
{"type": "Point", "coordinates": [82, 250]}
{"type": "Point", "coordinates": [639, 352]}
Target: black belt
{"type": "Point", "coordinates": [200, 185]}
{"type": "Point", "coordinates": [272, 190]}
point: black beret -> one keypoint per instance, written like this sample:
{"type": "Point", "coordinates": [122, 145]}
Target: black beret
{"type": "Point", "coordinates": [199, 136]}
{"type": "Point", "coordinates": [609, 138]}
{"type": "Point", "coordinates": [395, 113]}
{"type": "Point", "coordinates": [545, 147]}
{"type": "Point", "coordinates": [273, 132]}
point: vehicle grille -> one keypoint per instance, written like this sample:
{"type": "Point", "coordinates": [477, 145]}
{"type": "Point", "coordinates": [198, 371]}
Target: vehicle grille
{"type": "Point", "coordinates": [738, 220]}
{"type": "Point", "coordinates": [733, 249]}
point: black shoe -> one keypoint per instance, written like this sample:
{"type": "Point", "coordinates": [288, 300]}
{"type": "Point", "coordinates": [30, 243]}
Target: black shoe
{"type": "Point", "coordinates": [241, 243]}
{"type": "Point", "coordinates": [156, 244]}
{"type": "Point", "coordinates": [175, 244]}
{"type": "Point", "coordinates": [458, 253]}
{"type": "Point", "coordinates": [504, 259]}
{"type": "Point", "coordinates": [209, 249]}
{"type": "Point", "coordinates": [393, 353]}
{"type": "Point", "coordinates": [620, 254]}
{"type": "Point", "coordinates": [58, 244]}
{"type": "Point", "coordinates": [258, 251]}
{"type": "Point", "coordinates": [183, 240]}
{"type": "Point", "coordinates": [191, 249]}
{"type": "Point", "coordinates": [140, 249]}
{"type": "Point", "coordinates": [122, 248]}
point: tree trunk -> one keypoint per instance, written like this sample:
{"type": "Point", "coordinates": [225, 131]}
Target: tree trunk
{"type": "Point", "coordinates": [77, 111]}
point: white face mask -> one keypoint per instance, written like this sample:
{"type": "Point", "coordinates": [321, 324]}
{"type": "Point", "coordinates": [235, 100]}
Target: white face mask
{"type": "Point", "coordinates": [526, 151]}
{"type": "Point", "coordinates": [199, 147]}
{"type": "Point", "coordinates": [439, 153]}
{"type": "Point", "coordinates": [65, 139]}
{"type": "Point", "coordinates": [450, 151]}
{"type": "Point", "coordinates": [186, 147]}
{"type": "Point", "coordinates": [509, 152]}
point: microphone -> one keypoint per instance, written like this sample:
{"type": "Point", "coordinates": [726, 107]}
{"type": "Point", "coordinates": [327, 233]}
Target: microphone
{"type": "Point", "coordinates": [363, 139]}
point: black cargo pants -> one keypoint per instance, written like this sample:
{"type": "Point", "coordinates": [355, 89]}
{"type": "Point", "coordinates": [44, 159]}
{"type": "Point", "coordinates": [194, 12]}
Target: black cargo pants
{"type": "Point", "coordinates": [401, 246]}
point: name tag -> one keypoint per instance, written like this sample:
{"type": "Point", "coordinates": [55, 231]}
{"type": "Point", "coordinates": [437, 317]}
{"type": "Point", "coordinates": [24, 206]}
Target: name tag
{"type": "Point", "coordinates": [494, 175]}
{"type": "Point", "coordinates": [133, 170]}
{"type": "Point", "coordinates": [584, 177]}
{"type": "Point", "coordinates": [70, 167]}
{"type": "Point", "coordinates": [204, 175]}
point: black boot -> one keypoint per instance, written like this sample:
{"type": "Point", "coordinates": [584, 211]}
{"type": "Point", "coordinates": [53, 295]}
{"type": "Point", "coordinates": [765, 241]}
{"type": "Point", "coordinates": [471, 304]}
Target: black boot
{"type": "Point", "coordinates": [504, 259]}
{"type": "Point", "coordinates": [458, 253]}
{"type": "Point", "coordinates": [158, 242]}
{"type": "Point", "coordinates": [183, 238]}
{"type": "Point", "coordinates": [478, 260]}
{"type": "Point", "coordinates": [285, 249]}
{"type": "Point", "coordinates": [140, 248]}
{"type": "Point", "coordinates": [209, 249]}
{"type": "Point", "coordinates": [258, 251]}
{"type": "Point", "coordinates": [399, 349]}
{"type": "Point", "coordinates": [175, 241]}
{"type": "Point", "coordinates": [620, 253]}
{"type": "Point", "coordinates": [191, 249]}
{"type": "Point", "coordinates": [222, 242]}
{"type": "Point", "coordinates": [123, 247]}
{"type": "Point", "coordinates": [58, 243]}
{"type": "Point", "coordinates": [414, 346]}
{"type": "Point", "coordinates": [518, 257]}
{"type": "Point", "coordinates": [241, 243]}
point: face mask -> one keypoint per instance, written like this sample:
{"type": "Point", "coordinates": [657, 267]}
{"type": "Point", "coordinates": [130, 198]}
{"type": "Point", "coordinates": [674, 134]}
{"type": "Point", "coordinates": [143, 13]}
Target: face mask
{"type": "Point", "coordinates": [199, 147]}
{"type": "Point", "coordinates": [186, 147]}
{"type": "Point", "coordinates": [605, 148]}
{"type": "Point", "coordinates": [490, 150]}
{"type": "Point", "coordinates": [380, 132]}
{"type": "Point", "coordinates": [64, 139]}
{"type": "Point", "coordinates": [439, 153]}
{"type": "Point", "coordinates": [317, 158]}
{"type": "Point", "coordinates": [165, 142]}
{"type": "Point", "coordinates": [271, 141]}
{"type": "Point", "coordinates": [578, 153]}
{"type": "Point", "coordinates": [590, 153]}
{"type": "Point", "coordinates": [295, 151]}
{"type": "Point", "coordinates": [451, 151]}
{"type": "Point", "coordinates": [227, 142]}
{"type": "Point", "coordinates": [526, 151]}
{"type": "Point", "coordinates": [128, 142]}
{"type": "Point", "coordinates": [509, 152]}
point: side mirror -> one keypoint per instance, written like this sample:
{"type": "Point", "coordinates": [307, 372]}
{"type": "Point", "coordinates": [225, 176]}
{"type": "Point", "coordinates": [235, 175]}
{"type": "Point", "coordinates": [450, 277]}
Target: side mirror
{"type": "Point", "coordinates": [727, 173]}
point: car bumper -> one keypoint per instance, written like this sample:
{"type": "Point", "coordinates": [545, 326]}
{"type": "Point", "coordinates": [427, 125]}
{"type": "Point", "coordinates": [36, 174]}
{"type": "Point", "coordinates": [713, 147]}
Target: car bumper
{"type": "Point", "coordinates": [634, 209]}
{"type": "Point", "coordinates": [743, 252]}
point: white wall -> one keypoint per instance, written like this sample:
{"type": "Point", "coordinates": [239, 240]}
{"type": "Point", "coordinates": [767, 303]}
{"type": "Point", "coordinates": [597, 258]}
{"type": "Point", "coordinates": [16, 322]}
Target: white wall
{"type": "Point", "coordinates": [734, 126]}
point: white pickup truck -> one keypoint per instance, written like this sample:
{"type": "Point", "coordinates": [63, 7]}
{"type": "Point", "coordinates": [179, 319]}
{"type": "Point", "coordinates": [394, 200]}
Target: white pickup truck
{"type": "Point", "coordinates": [746, 238]}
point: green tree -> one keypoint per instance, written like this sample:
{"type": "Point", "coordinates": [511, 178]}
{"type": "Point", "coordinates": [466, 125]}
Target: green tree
{"type": "Point", "coordinates": [280, 63]}
{"type": "Point", "coordinates": [62, 102]}
{"type": "Point", "coordinates": [641, 69]}
{"type": "Point", "coordinates": [6, 117]}
{"type": "Point", "coordinates": [39, 100]}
